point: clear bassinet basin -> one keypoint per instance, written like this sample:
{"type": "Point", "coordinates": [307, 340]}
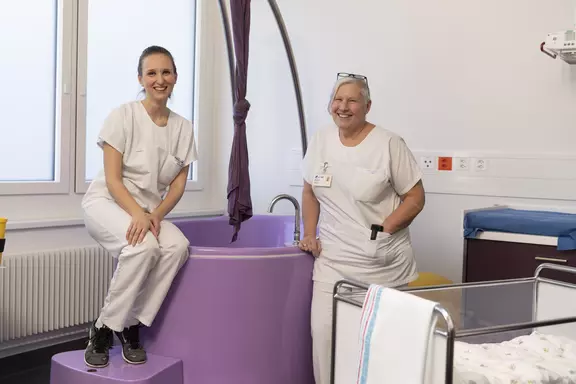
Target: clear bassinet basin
{"type": "Point", "coordinates": [510, 331]}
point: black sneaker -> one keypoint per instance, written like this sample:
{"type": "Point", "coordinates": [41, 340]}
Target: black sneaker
{"type": "Point", "coordinates": [132, 350]}
{"type": "Point", "coordinates": [99, 344]}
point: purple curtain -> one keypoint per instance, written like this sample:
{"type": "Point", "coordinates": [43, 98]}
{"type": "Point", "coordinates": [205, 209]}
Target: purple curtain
{"type": "Point", "coordinates": [239, 201]}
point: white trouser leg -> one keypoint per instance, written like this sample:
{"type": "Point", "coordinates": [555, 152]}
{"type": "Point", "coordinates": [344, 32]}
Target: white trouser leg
{"type": "Point", "coordinates": [174, 254]}
{"type": "Point", "coordinates": [321, 323]}
{"type": "Point", "coordinates": [107, 223]}
{"type": "Point", "coordinates": [134, 264]}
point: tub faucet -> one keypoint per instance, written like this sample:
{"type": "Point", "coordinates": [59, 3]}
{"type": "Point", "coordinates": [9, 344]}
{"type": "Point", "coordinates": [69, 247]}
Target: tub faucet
{"type": "Point", "coordinates": [296, 213]}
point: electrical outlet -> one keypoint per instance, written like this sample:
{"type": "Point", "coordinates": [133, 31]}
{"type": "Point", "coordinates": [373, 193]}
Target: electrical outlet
{"type": "Point", "coordinates": [480, 164]}
{"type": "Point", "coordinates": [427, 162]}
{"type": "Point", "coordinates": [444, 163]}
{"type": "Point", "coordinates": [461, 163]}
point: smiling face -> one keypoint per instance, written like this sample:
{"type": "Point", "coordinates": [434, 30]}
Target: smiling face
{"type": "Point", "coordinates": [158, 76]}
{"type": "Point", "coordinates": [349, 107]}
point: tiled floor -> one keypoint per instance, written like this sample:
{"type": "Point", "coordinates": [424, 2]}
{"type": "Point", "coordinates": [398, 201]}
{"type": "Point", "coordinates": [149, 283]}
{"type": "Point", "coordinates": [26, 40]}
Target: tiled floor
{"type": "Point", "coordinates": [33, 367]}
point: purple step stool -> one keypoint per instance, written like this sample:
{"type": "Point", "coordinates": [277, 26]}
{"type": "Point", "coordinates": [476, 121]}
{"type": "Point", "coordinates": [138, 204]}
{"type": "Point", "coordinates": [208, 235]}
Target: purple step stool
{"type": "Point", "coordinates": [69, 368]}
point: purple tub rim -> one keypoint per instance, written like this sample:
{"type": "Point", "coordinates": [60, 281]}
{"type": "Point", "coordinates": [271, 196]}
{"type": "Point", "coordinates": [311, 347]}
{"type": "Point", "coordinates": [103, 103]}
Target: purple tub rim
{"type": "Point", "coordinates": [223, 217]}
{"type": "Point", "coordinates": [246, 251]}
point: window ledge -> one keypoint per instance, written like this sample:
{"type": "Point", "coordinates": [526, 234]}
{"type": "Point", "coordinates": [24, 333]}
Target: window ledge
{"type": "Point", "coordinates": [63, 223]}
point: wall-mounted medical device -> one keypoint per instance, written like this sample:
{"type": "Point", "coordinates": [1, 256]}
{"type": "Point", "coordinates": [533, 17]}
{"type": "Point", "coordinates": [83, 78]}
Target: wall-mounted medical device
{"type": "Point", "coordinates": [561, 44]}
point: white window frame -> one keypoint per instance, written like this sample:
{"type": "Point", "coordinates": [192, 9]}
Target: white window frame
{"type": "Point", "coordinates": [202, 111]}
{"type": "Point", "coordinates": [63, 136]}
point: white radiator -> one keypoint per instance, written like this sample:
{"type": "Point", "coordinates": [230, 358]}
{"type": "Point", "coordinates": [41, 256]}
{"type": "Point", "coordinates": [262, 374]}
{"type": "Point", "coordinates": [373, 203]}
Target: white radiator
{"type": "Point", "coordinates": [49, 291]}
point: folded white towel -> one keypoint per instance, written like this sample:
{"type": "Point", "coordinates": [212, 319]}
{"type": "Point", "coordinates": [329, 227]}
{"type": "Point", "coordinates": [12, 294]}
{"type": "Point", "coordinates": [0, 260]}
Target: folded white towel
{"type": "Point", "coordinates": [395, 331]}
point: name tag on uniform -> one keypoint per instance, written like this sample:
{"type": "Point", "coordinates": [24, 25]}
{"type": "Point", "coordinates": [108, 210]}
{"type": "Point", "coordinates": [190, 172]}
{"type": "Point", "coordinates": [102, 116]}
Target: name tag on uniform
{"type": "Point", "coordinates": [322, 181]}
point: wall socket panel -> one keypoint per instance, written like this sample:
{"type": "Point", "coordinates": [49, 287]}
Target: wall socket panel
{"type": "Point", "coordinates": [428, 163]}
{"type": "Point", "coordinates": [461, 164]}
{"type": "Point", "coordinates": [480, 164]}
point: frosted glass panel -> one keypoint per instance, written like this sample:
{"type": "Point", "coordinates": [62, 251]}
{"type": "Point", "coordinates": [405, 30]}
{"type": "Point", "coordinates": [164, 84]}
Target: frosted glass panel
{"type": "Point", "coordinates": [29, 77]}
{"type": "Point", "coordinates": [118, 32]}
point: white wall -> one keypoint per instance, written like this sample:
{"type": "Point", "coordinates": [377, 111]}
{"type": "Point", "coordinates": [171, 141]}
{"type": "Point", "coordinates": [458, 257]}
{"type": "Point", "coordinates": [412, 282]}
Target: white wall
{"type": "Point", "coordinates": [449, 76]}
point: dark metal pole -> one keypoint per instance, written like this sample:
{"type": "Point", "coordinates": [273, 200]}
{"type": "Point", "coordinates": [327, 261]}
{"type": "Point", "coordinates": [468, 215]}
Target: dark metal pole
{"type": "Point", "coordinates": [291, 61]}
{"type": "Point", "coordinates": [226, 23]}
{"type": "Point", "coordinates": [290, 54]}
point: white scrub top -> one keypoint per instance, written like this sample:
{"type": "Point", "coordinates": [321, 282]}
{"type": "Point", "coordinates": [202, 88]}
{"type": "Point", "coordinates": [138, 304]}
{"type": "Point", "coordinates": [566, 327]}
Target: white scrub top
{"type": "Point", "coordinates": [152, 155]}
{"type": "Point", "coordinates": [367, 182]}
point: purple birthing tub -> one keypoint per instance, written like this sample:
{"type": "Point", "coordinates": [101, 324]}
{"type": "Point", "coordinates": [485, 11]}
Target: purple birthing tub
{"type": "Point", "coordinates": [239, 313]}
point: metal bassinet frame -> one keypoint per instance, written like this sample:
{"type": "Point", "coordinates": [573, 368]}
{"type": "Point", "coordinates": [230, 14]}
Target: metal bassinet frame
{"type": "Point", "coordinates": [342, 293]}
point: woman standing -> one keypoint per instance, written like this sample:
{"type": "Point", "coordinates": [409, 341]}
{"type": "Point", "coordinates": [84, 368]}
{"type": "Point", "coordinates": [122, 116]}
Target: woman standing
{"type": "Point", "coordinates": [357, 177]}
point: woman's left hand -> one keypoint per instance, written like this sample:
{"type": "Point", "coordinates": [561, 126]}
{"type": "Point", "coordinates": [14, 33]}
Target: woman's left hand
{"type": "Point", "coordinates": [155, 221]}
{"type": "Point", "coordinates": [387, 228]}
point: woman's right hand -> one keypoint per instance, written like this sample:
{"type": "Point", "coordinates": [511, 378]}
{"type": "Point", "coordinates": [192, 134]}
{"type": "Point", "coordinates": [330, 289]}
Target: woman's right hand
{"type": "Point", "coordinates": [138, 228]}
{"type": "Point", "coordinates": [311, 243]}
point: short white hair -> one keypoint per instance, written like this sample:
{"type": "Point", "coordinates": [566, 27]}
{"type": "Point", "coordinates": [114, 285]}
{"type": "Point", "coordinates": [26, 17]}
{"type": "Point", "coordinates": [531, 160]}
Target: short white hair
{"type": "Point", "coordinates": [364, 91]}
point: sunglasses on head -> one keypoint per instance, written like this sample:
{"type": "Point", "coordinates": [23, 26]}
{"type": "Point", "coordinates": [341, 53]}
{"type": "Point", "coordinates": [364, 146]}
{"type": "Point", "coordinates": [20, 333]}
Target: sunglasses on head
{"type": "Point", "coordinates": [354, 76]}
{"type": "Point", "coordinates": [345, 74]}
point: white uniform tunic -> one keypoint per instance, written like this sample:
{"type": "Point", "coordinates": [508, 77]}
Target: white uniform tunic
{"type": "Point", "coordinates": [367, 182]}
{"type": "Point", "coordinates": [152, 157]}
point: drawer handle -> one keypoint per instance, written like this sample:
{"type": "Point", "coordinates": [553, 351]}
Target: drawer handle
{"type": "Point", "coordinates": [551, 259]}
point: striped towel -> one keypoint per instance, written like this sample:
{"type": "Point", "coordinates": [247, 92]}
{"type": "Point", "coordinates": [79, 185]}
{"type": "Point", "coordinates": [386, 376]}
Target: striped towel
{"type": "Point", "coordinates": [395, 331]}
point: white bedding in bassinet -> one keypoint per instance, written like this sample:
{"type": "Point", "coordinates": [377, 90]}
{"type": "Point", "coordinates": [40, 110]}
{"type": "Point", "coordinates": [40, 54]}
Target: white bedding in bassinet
{"type": "Point", "coordinates": [532, 359]}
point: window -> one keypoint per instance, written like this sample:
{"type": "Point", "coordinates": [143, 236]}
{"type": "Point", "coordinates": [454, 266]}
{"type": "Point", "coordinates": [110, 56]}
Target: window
{"type": "Point", "coordinates": [66, 65]}
{"type": "Point", "coordinates": [109, 50]}
{"type": "Point", "coordinates": [71, 62]}
{"type": "Point", "coordinates": [36, 72]}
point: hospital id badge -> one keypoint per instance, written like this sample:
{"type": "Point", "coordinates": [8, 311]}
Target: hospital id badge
{"type": "Point", "coordinates": [322, 181]}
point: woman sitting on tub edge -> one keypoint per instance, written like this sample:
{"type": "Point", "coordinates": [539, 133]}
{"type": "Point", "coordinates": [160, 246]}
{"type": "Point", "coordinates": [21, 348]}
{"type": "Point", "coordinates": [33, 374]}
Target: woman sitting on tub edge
{"type": "Point", "coordinates": [147, 148]}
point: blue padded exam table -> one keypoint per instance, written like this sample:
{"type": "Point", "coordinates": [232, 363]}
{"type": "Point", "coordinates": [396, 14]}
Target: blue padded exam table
{"type": "Point", "coordinates": [508, 220]}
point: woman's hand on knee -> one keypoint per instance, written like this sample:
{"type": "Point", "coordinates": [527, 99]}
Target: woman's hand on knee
{"type": "Point", "coordinates": [138, 228]}
{"type": "Point", "coordinates": [155, 221]}
{"type": "Point", "coordinates": [311, 243]}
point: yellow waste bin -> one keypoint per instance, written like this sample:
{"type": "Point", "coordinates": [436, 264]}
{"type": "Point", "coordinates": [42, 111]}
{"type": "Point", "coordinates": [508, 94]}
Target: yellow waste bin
{"type": "Point", "coordinates": [429, 278]}
{"type": "Point", "coordinates": [450, 299]}
{"type": "Point", "coordinates": [2, 235]}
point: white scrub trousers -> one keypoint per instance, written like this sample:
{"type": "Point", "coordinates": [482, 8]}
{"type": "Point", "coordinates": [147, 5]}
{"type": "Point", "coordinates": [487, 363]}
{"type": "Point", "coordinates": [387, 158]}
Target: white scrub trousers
{"type": "Point", "coordinates": [144, 272]}
{"type": "Point", "coordinates": [321, 325]}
